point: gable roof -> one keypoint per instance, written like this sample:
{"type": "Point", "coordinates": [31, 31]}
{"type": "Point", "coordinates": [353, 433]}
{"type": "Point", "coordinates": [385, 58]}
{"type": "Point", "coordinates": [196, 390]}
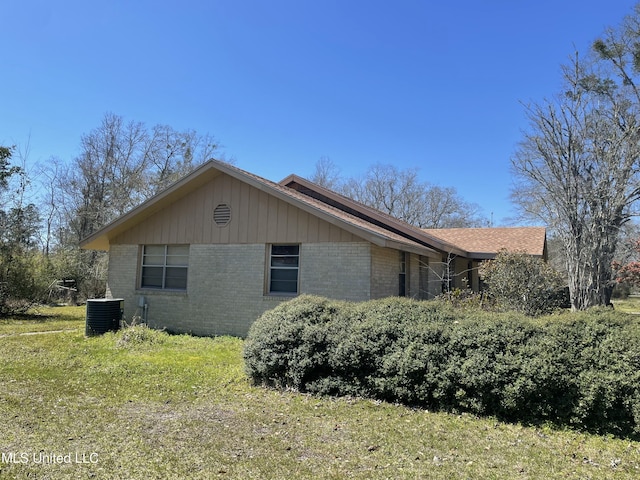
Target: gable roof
{"type": "Point", "coordinates": [473, 243]}
{"type": "Point", "coordinates": [365, 222]}
{"type": "Point", "coordinates": [488, 241]}
{"type": "Point", "coordinates": [373, 233]}
{"type": "Point", "coordinates": [370, 214]}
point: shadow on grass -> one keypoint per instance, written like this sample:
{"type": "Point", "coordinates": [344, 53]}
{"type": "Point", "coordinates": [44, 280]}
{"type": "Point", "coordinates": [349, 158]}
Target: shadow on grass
{"type": "Point", "coordinates": [45, 313]}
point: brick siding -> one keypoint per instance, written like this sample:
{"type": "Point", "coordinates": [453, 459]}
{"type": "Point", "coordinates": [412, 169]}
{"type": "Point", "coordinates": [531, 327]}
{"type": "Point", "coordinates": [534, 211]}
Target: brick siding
{"type": "Point", "coordinates": [226, 284]}
{"type": "Point", "coordinates": [336, 270]}
{"type": "Point", "coordinates": [385, 268]}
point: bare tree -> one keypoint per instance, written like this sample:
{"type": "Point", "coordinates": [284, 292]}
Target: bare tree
{"type": "Point", "coordinates": [106, 178]}
{"type": "Point", "coordinates": [403, 195]}
{"type": "Point", "coordinates": [446, 209]}
{"type": "Point", "coordinates": [50, 175]}
{"type": "Point", "coordinates": [578, 170]}
{"type": "Point", "coordinates": [171, 154]}
{"type": "Point", "coordinates": [326, 174]}
{"type": "Point", "coordinates": [122, 164]}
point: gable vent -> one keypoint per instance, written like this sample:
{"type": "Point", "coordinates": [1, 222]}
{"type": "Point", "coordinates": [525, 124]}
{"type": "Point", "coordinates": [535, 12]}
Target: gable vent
{"type": "Point", "coordinates": [222, 215]}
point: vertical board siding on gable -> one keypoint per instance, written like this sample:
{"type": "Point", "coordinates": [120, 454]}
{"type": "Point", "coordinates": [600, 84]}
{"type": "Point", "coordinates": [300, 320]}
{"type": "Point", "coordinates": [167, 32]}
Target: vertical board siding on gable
{"type": "Point", "coordinates": [262, 209]}
{"type": "Point", "coordinates": [270, 217]}
{"type": "Point", "coordinates": [205, 228]}
{"type": "Point", "coordinates": [195, 234]}
{"type": "Point", "coordinates": [303, 227]}
{"type": "Point", "coordinates": [256, 217]}
{"type": "Point", "coordinates": [221, 193]}
{"type": "Point", "coordinates": [248, 207]}
{"type": "Point", "coordinates": [313, 228]}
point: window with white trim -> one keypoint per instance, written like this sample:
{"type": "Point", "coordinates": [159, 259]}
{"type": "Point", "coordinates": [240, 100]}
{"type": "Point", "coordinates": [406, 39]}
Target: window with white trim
{"type": "Point", "coordinates": [165, 267]}
{"type": "Point", "coordinates": [284, 262]}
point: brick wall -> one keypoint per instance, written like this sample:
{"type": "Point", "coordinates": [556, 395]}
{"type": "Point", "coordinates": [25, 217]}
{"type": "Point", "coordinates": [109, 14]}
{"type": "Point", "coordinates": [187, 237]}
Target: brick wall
{"type": "Point", "coordinates": [226, 288]}
{"type": "Point", "coordinates": [336, 270]}
{"type": "Point", "coordinates": [122, 274]}
{"type": "Point", "coordinates": [385, 268]}
{"type": "Point", "coordinates": [226, 284]}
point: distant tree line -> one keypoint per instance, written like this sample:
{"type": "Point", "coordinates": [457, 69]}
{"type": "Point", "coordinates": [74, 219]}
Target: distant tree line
{"type": "Point", "coordinates": [45, 212]}
{"type": "Point", "coordinates": [401, 194]}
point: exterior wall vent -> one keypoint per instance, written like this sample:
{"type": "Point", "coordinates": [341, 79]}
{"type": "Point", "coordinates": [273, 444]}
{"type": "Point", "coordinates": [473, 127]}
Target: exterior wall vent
{"type": "Point", "coordinates": [222, 215]}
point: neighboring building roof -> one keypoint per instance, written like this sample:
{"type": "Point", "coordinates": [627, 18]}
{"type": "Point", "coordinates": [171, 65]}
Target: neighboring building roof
{"type": "Point", "coordinates": [365, 222]}
{"type": "Point", "coordinates": [486, 241]}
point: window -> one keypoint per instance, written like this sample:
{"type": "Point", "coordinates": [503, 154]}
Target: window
{"type": "Point", "coordinates": [283, 269]}
{"type": "Point", "coordinates": [165, 267]}
{"type": "Point", "coordinates": [402, 277]}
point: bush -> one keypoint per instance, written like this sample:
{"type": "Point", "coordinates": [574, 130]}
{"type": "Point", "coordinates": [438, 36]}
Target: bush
{"type": "Point", "coordinates": [288, 346]}
{"type": "Point", "coordinates": [467, 299]}
{"type": "Point", "coordinates": [24, 281]}
{"type": "Point", "coordinates": [523, 283]}
{"type": "Point", "coordinates": [580, 370]}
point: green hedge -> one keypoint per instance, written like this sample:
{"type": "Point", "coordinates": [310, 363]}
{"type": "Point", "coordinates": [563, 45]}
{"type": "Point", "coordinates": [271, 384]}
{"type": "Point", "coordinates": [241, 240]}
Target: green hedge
{"type": "Point", "coordinates": [579, 370]}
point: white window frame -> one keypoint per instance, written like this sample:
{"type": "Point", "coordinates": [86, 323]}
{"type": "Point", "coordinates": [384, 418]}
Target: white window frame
{"type": "Point", "coordinates": [165, 258]}
{"type": "Point", "coordinates": [281, 260]}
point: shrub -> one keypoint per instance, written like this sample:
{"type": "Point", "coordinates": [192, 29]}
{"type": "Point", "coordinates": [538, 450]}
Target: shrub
{"type": "Point", "coordinates": [523, 283]}
{"type": "Point", "coordinates": [373, 352]}
{"type": "Point", "coordinates": [24, 281]}
{"type": "Point", "coordinates": [467, 299]}
{"type": "Point", "coordinates": [288, 346]}
{"type": "Point", "coordinates": [580, 370]}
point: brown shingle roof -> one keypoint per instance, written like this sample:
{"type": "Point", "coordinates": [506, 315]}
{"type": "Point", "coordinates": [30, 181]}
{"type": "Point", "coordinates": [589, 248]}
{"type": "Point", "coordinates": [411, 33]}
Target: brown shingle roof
{"type": "Point", "coordinates": [477, 243]}
{"type": "Point", "coordinates": [531, 240]}
{"type": "Point", "coordinates": [367, 223]}
{"type": "Point", "coordinates": [331, 210]}
{"type": "Point", "coordinates": [368, 214]}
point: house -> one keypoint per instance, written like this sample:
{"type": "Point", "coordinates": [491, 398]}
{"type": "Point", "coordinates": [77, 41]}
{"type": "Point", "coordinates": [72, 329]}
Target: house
{"type": "Point", "coordinates": [212, 252]}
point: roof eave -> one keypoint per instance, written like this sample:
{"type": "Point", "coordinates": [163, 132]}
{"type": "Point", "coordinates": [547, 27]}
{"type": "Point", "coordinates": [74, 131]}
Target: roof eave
{"type": "Point", "coordinates": [492, 255]}
{"type": "Point", "coordinates": [437, 245]}
{"type": "Point", "coordinates": [100, 240]}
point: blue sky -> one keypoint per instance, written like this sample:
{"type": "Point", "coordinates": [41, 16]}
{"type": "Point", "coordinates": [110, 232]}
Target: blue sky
{"type": "Point", "coordinates": [432, 85]}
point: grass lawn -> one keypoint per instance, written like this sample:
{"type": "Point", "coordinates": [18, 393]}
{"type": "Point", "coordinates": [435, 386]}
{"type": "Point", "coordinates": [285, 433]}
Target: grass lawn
{"type": "Point", "coordinates": [44, 319]}
{"type": "Point", "coordinates": [628, 305]}
{"type": "Point", "coordinates": [141, 404]}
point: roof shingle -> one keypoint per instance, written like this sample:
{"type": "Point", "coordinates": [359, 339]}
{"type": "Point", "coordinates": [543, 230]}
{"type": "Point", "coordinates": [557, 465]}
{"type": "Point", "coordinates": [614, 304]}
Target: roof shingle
{"type": "Point", "coordinates": [531, 240]}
